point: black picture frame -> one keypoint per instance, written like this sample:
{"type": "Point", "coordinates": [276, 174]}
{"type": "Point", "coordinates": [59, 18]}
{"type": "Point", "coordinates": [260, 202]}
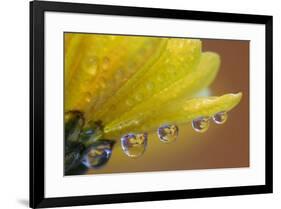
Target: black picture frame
{"type": "Point", "coordinates": [37, 101]}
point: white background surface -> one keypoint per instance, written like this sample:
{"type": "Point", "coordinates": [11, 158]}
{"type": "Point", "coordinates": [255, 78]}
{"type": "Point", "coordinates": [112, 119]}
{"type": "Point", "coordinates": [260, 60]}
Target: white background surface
{"type": "Point", "coordinates": [56, 185]}
{"type": "Point", "coordinates": [14, 90]}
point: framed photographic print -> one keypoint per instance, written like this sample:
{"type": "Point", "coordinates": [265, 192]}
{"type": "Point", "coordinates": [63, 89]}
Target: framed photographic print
{"type": "Point", "coordinates": [135, 104]}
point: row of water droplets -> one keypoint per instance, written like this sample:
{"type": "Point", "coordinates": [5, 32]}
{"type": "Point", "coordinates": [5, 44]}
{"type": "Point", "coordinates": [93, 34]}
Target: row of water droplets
{"type": "Point", "coordinates": [96, 153]}
{"type": "Point", "coordinates": [134, 145]}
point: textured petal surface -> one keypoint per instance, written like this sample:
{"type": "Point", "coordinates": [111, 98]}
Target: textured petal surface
{"type": "Point", "coordinates": [136, 84]}
{"type": "Point", "coordinates": [179, 111]}
{"type": "Point", "coordinates": [188, 85]}
{"type": "Point", "coordinates": [179, 59]}
{"type": "Point", "coordinates": [97, 65]}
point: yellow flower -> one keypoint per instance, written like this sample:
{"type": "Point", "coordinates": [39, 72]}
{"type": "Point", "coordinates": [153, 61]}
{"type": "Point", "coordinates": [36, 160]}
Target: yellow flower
{"type": "Point", "coordinates": [115, 85]}
{"type": "Point", "coordinates": [135, 84]}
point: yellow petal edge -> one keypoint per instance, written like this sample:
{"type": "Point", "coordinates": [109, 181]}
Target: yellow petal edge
{"type": "Point", "coordinates": [175, 113]}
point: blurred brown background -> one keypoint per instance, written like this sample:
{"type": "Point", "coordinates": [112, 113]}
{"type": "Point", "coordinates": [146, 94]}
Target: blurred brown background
{"type": "Point", "coordinates": [222, 146]}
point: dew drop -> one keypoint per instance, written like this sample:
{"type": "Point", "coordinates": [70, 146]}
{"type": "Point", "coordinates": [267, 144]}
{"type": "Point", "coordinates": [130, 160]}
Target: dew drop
{"type": "Point", "coordinates": [201, 124]}
{"type": "Point", "coordinates": [220, 117]}
{"type": "Point", "coordinates": [91, 65]}
{"type": "Point", "coordinates": [136, 122]}
{"type": "Point", "coordinates": [134, 145]}
{"type": "Point", "coordinates": [88, 97]}
{"type": "Point", "coordinates": [160, 78]}
{"type": "Point", "coordinates": [112, 37]}
{"type": "Point", "coordinates": [138, 97]}
{"type": "Point", "coordinates": [149, 86]}
{"type": "Point", "coordinates": [129, 102]}
{"type": "Point", "coordinates": [119, 74]}
{"type": "Point", "coordinates": [167, 60]}
{"type": "Point", "coordinates": [97, 154]}
{"type": "Point", "coordinates": [102, 82]}
{"type": "Point", "coordinates": [168, 133]}
{"type": "Point", "coordinates": [105, 62]}
{"type": "Point", "coordinates": [181, 44]}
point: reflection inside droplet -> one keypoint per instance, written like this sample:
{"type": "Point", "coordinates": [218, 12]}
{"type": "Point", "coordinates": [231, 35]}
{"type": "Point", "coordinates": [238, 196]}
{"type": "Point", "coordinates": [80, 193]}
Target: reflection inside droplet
{"type": "Point", "coordinates": [220, 117]}
{"type": "Point", "coordinates": [134, 145]}
{"type": "Point", "coordinates": [97, 154]}
{"type": "Point", "coordinates": [168, 133]}
{"type": "Point", "coordinates": [201, 124]}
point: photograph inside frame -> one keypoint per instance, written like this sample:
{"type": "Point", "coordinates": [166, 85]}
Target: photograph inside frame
{"type": "Point", "coordinates": [145, 103]}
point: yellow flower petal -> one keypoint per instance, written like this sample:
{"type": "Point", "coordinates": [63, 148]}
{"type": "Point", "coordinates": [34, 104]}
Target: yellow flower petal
{"type": "Point", "coordinates": [97, 65]}
{"type": "Point", "coordinates": [176, 112]}
{"type": "Point", "coordinates": [183, 88]}
{"type": "Point", "coordinates": [179, 59]}
{"type": "Point", "coordinates": [132, 83]}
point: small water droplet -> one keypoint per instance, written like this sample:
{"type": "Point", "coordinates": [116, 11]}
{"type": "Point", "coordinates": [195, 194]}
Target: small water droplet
{"type": "Point", "coordinates": [181, 44]}
{"type": "Point", "coordinates": [138, 97]}
{"type": "Point", "coordinates": [129, 102]}
{"type": "Point", "coordinates": [97, 154]}
{"type": "Point", "coordinates": [136, 122]}
{"type": "Point", "coordinates": [220, 117]}
{"type": "Point", "coordinates": [91, 65]}
{"type": "Point", "coordinates": [102, 82]}
{"type": "Point", "coordinates": [160, 78]}
{"type": "Point", "coordinates": [167, 60]}
{"type": "Point", "coordinates": [105, 62]}
{"type": "Point", "coordinates": [88, 97]}
{"type": "Point", "coordinates": [119, 127]}
{"type": "Point", "coordinates": [168, 133]}
{"type": "Point", "coordinates": [201, 124]}
{"type": "Point", "coordinates": [149, 86]}
{"type": "Point", "coordinates": [134, 145]}
{"type": "Point", "coordinates": [112, 37]}
{"type": "Point", "coordinates": [119, 74]}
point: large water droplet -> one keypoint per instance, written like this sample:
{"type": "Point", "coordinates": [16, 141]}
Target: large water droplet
{"type": "Point", "coordinates": [220, 117]}
{"type": "Point", "coordinates": [201, 124]}
{"type": "Point", "coordinates": [134, 145]}
{"type": "Point", "coordinates": [73, 123]}
{"type": "Point", "coordinates": [97, 154]}
{"type": "Point", "coordinates": [168, 133]}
